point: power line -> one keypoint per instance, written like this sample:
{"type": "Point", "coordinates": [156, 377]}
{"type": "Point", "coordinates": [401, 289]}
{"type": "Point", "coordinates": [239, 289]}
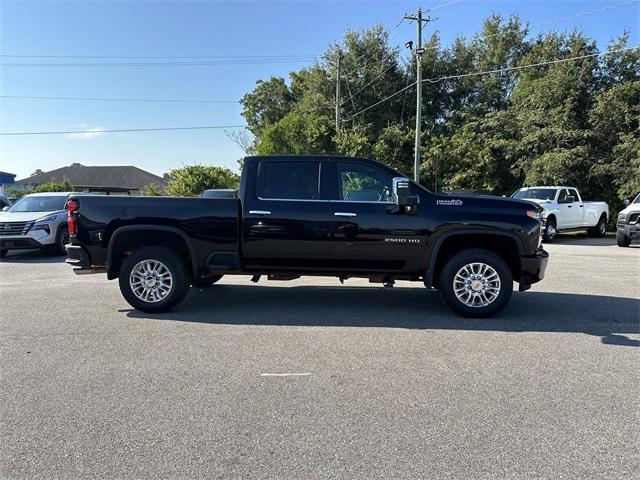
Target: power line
{"type": "Point", "coordinates": [156, 64]}
{"type": "Point", "coordinates": [120, 130]}
{"type": "Point", "coordinates": [370, 82]}
{"type": "Point", "coordinates": [488, 72]}
{"type": "Point", "coordinates": [521, 67]}
{"type": "Point", "coordinates": [150, 100]}
{"type": "Point", "coordinates": [443, 5]}
{"type": "Point", "coordinates": [457, 12]}
{"type": "Point", "coordinates": [556, 20]}
{"type": "Point", "coordinates": [168, 57]}
{"type": "Point", "coordinates": [582, 14]}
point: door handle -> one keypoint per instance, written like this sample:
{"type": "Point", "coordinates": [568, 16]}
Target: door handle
{"type": "Point", "coordinates": [581, 206]}
{"type": "Point", "coordinates": [259, 212]}
{"type": "Point", "coordinates": [569, 206]}
{"type": "Point", "coordinates": [344, 214]}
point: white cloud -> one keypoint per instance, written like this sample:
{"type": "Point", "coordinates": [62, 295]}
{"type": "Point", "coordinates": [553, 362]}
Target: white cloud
{"type": "Point", "coordinates": [85, 133]}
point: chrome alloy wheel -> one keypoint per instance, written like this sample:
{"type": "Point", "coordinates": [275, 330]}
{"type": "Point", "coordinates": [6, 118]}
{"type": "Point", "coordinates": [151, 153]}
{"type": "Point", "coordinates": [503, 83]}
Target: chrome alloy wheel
{"type": "Point", "coordinates": [551, 231]}
{"type": "Point", "coordinates": [476, 285]}
{"type": "Point", "coordinates": [150, 281]}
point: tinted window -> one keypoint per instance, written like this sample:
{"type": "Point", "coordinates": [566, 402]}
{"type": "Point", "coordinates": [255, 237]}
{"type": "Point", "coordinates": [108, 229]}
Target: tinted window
{"type": "Point", "coordinates": [563, 195]}
{"type": "Point", "coordinates": [574, 194]}
{"type": "Point", "coordinates": [3, 203]}
{"type": "Point", "coordinates": [291, 180]}
{"type": "Point", "coordinates": [361, 183]}
{"type": "Point", "coordinates": [39, 204]}
{"type": "Point", "coordinates": [536, 193]}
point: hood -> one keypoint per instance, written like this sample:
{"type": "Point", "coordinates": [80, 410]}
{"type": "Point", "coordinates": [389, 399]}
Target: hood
{"type": "Point", "coordinates": [634, 207]}
{"type": "Point", "coordinates": [486, 201]}
{"type": "Point", "coordinates": [537, 201]}
{"type": "Point", "coordinates": [26, 216]}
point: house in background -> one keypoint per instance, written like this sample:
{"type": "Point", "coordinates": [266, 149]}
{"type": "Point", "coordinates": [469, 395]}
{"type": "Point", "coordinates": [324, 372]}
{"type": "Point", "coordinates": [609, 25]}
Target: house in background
{"type": "Point", "coordinates": [7, 181]}
{"type": "Point", "coordinates": [124, 180]}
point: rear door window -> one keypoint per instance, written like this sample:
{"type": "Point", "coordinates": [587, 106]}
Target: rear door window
{"type": "Point", "coordinates": [293, 180]}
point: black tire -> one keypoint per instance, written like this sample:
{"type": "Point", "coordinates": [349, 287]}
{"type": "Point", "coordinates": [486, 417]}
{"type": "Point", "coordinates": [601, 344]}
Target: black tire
{"type": "Point", "coordinates": [62, 238]}
{"type": "Point", "coordinates": [455, 265]}
{"type": "Point", "coordinates": [206, 282]}
{"type": "Point", "coordinates": [179, 285]}
{"type": "Point", "coordinates": [3, 252]}
{"type": "Point", "coordinates": [550, 231]}
{"type": "Point", "coordinates": [600, 230]}
{"type": "Point", "coordinates": [622, 240]}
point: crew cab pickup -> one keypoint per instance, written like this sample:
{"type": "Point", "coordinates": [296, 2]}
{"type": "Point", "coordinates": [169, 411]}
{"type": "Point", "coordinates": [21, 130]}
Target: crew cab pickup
{"type": "Point", "coordinates": [564, 211]}
{"type": "Point", "coordinates": [311, 215]}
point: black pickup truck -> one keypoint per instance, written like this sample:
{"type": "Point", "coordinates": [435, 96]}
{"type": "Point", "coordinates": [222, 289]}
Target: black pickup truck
{"type": "Point", "coordinates": [311, 215]}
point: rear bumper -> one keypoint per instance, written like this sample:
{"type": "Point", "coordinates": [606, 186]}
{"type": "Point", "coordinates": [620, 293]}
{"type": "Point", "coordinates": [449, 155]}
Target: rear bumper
{"type": "Point", "coordinates": [532, 268]}
{"type": "Point", "coordinates": [78, 257]}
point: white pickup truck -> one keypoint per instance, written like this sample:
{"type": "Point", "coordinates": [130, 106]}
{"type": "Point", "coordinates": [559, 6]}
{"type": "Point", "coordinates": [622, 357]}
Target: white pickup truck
{"type": "Point", "coordinates": [564, 210]}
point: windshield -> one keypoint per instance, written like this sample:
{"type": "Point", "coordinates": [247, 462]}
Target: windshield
{"type": "Point", "coordinates": [39, 204]}
{"type": "Point", "coordinates": [536, 193]}
{"type": "Point", "coordinates": [637, 199]}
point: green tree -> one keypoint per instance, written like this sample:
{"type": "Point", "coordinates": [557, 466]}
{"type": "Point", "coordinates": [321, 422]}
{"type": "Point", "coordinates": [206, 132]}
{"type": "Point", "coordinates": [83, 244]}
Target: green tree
{"type": "Point", "coordinates": [150, 190]}
{"type": "Point", "coordinates": [192, 180]}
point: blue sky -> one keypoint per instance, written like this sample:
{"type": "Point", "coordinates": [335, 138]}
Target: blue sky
{"type": "Point", "coordinates": [150, 28]}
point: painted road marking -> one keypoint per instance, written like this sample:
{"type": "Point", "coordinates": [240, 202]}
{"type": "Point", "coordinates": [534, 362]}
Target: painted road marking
{"type": "Point", "coordinates": [305, 374]}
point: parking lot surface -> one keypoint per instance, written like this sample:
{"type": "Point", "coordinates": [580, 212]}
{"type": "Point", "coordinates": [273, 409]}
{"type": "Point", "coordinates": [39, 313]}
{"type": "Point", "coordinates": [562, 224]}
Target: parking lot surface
{"type": "Point", "coordinates": [387, 382]}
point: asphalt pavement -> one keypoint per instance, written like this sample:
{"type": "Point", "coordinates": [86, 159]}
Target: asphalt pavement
{"type": "Point", "coordinates": [311, 379]}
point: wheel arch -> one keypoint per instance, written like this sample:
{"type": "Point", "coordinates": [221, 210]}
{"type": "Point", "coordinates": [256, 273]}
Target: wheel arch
{"type": "Point", "coordinates": [504, 244]}
{"type": "Point", "coordinates": [137, 236]}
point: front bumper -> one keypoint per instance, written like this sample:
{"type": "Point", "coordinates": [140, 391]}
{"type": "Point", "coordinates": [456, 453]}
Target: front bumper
{"type": "Point", "coordinates": [631, 231]}
{"type": "Point", "coordinates": [532, 268]}
{"type": "Point", "coordinates": [28, 240]}
{"type": "Point", "coordinates": [19, 243]}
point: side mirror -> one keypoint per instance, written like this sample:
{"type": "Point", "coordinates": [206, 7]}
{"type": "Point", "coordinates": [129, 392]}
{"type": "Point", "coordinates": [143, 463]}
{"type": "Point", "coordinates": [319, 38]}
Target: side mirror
{"type": "Point", "coordinates": [626, 202]}
{"type": "Point", "coordinates": [565, 200]}
{"type": "Point", "coordinates": [4, 209]}
{"type": "Point", "coordinates": [402, 196]}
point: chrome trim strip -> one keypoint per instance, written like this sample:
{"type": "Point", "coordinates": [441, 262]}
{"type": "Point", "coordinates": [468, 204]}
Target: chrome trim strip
{"type": "Point", "coordinates": [345, 214]}
{"type": "Point", "coordinates": [314, 200]}
{"type": "Point", "coordinates": [259, 212]}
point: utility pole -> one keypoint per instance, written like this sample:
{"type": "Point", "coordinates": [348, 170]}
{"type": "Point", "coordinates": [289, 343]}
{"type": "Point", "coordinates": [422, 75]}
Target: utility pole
{"type": "Point", "coordinates": [419, 51]}
{"type": "Point", "coordinates": [338, 98]}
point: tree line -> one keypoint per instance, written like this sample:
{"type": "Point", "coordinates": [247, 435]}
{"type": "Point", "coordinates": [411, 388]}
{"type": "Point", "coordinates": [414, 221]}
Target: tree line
{"type": "Point", "coordinates": [574, 122]}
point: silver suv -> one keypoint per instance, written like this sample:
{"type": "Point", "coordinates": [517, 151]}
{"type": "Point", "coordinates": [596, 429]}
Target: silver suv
{"type": "Point", "coordinates": [38, 220]}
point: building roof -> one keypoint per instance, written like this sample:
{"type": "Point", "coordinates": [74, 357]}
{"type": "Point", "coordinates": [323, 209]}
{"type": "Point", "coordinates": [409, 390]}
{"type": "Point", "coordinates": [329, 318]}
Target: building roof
{"type": "Point", "coordinates": [112, 177]}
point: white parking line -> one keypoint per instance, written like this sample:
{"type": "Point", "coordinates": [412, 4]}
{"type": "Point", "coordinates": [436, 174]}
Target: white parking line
{"type": "Point", "coordinates": [305, 374]}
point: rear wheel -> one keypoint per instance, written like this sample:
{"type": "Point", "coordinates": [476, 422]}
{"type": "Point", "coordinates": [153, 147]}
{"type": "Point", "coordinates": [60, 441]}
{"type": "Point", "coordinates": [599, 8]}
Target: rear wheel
{"type": "Point", "coordinates": [154, 279]}
{"type": "Point", "coordinates": [476, 283]}
{"type": "Point", "coordinates": [600, 230]}
{"type": "Point", "coordinates": [550, 231]}
{"type": "Point", "coordinates": [622, 240]}
{"type": "Point", "coordinates": [206, 282]}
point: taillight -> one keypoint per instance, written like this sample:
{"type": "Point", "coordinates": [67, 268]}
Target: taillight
{"type": "Point", "coordinates": [72, 206]}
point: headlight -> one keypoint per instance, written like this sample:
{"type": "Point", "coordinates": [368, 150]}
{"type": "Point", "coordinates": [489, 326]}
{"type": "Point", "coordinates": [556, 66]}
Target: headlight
{"type": "Point", "coordinates": [535, 214]}
{"type": "Point", "coordinates": [622, 218]}
{"type": "Point", "coordinates": [43, 223]}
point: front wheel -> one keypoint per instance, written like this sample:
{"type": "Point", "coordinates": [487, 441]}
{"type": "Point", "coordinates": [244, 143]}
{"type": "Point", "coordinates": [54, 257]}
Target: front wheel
{"type": "Point", "coordinates": [476, 283]}
{"type": "Point", "coordinates": [62, 238]}
{"type": "Point", "coordinates": [622, 240]}
{"type": "Point", "coordinates": [154, 279]}
{"type": "Point", "coordinates": [550, 231]}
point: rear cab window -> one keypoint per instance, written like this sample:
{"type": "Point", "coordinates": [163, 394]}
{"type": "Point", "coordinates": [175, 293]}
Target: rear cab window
{"type": "Point", "coordinates": [289, 180]}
